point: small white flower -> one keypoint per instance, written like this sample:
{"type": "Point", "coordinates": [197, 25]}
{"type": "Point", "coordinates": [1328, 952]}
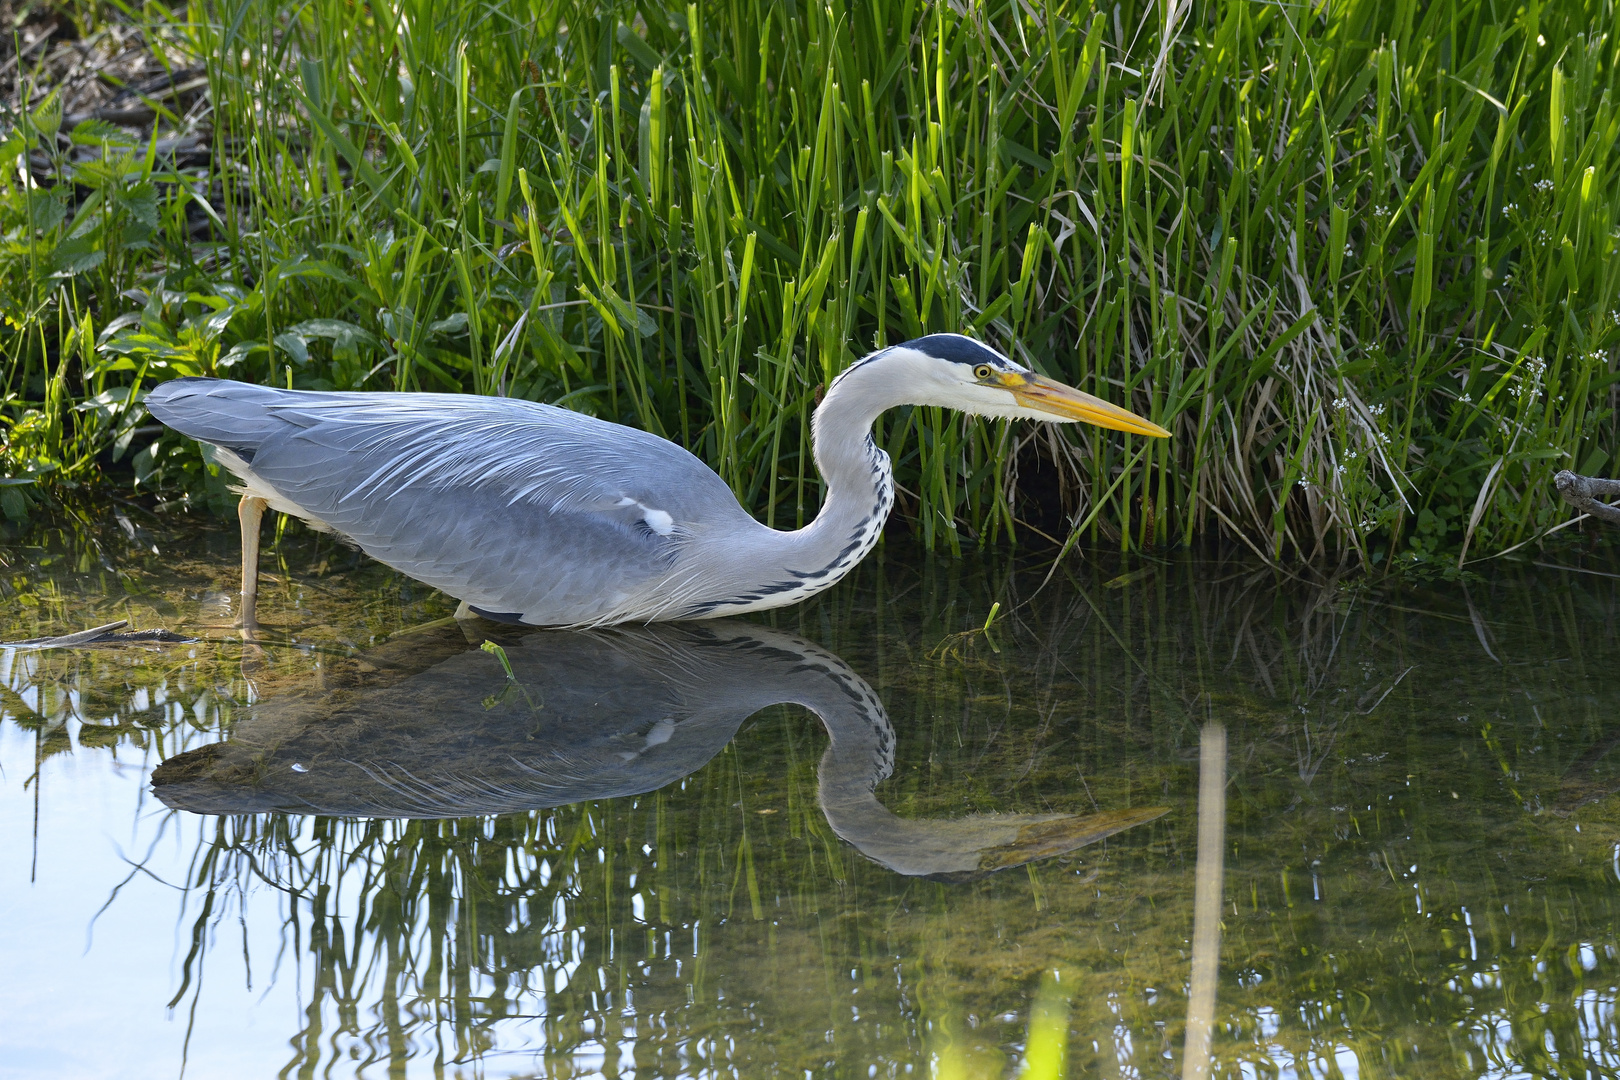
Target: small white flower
{"type": "Point", "coordinates": [1381, 210]}
{"type": "Point", "coordinates": [1466, 399]}
{"type": "Point", "coordinates": [1349, 252]}
{"type": "Point", "coordinates": [1376, 410]}
{"type": "Point", "coordinates": [1510, 208]}
{"type": "Point", "coordinates": [1341, 403]}
{"type": "Point", "coordinates": [1338, 470]}
{"type": "Point", "coordinates": [1306, 484]}
{"type": "Point", "coordinates": [1544, 186]}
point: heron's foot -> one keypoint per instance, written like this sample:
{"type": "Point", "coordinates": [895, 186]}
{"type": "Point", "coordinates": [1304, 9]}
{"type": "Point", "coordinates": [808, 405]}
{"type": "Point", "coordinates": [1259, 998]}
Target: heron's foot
{"type": "Point", "coordinates": [255, 657]}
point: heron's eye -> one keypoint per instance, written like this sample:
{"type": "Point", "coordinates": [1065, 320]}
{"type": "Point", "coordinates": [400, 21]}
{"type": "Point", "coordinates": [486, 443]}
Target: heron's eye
{"type": "Point", "coordinates": [982, 373]}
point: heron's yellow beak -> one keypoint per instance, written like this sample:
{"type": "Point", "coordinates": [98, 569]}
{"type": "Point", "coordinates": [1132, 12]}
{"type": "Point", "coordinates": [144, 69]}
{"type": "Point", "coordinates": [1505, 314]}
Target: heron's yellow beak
{"type": "Point", "coordinates": [1066, 403]}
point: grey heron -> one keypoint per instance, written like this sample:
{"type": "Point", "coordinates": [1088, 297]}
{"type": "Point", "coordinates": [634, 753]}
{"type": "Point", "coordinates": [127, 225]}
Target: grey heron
{"type": "Point", "coordinates": [436, 729]}
{"type": "Point", "coordinates": [530, 513]}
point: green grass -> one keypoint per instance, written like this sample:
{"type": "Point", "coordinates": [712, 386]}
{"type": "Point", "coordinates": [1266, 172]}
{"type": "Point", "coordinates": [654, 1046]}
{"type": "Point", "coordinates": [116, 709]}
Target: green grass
{"type": "Point", "coordinates": [1359, 257]}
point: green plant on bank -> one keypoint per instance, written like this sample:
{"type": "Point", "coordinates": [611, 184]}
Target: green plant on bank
{"type": "Point", "coordinates": [1359, 257]}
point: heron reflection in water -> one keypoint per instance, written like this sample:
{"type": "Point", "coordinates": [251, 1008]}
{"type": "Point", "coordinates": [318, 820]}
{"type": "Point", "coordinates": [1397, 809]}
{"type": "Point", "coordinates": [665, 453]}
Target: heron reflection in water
{"type": "Point", "coordinates": [439, 730]}
{"type": "Point", "coordinates": [528, 513]}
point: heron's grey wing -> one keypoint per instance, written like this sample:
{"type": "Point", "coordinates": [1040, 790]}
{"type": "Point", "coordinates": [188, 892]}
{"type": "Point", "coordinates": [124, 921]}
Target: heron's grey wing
{"type": "Point", "coordinates": [521, 509]}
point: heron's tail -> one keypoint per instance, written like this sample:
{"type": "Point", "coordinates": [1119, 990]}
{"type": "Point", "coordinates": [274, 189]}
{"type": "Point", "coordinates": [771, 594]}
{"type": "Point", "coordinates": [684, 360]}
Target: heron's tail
{"type": "Point", "coordinates": [234, 415]}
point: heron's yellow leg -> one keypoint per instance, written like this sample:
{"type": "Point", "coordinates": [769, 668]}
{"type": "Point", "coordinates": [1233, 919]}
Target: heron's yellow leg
{"type": "Point", "coordinates": [249, 511]}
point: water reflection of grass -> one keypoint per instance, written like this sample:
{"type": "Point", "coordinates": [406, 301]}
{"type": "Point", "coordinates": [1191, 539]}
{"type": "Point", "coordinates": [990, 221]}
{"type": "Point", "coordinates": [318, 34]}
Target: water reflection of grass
{"type": "Point", "coordinates": [1401, 888]}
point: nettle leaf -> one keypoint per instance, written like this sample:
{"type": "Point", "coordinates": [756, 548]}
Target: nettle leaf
{"type": "Point", "coordinates": [135, 235]}
{"type": "Point", "coordinates": [75, 255]}
{"type": "Point", "coordinates": [47, 118]}
{"type": "Point", "coordinates": [142, 202]}
{"type": "Point", "coordinates": [45, 209]}
{"type": "Point", "coordinates": [96, 132]}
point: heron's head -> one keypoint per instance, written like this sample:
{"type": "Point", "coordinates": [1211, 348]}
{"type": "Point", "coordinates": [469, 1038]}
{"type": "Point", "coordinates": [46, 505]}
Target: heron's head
{"type": "Point", "coordinates": [959, 373]}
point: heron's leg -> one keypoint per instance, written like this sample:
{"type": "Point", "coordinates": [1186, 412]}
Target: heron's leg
{"type": "Point", "coordinates": [248, 512]}
{"type": "Point", "coordinates": [470, 624]}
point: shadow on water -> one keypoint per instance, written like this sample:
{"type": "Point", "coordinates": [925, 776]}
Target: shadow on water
{"type": "Point", "coordinates": [638, 851]}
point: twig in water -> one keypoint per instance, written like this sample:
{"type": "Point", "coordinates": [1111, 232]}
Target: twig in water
{"type": "Point", "coordinates": [1585, 492]}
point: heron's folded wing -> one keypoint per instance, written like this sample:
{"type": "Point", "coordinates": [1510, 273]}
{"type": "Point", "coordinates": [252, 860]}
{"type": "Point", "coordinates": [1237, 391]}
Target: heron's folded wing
{"type": "Point", "coordinates": [515, 506]}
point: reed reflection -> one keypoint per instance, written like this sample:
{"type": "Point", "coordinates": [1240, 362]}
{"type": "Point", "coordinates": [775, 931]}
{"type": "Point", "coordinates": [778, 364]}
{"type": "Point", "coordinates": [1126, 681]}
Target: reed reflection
{"type": "Point", "coordinates": [429, 727]}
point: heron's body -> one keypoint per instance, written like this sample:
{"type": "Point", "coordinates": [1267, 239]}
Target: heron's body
{"type": "Point", "coordinates": [532, 513]}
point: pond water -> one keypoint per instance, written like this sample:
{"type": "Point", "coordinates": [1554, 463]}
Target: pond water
{"type": "Point", "coordinates": [1330, 828]}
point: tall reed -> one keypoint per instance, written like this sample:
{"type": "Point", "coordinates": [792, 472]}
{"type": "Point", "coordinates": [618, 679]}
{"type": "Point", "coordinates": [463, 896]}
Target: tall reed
{"type": "Point", "coordinates": [1359, 257]}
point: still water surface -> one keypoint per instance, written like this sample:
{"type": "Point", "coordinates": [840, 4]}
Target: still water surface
{"type": "Point", "coordinates": [854, 839]}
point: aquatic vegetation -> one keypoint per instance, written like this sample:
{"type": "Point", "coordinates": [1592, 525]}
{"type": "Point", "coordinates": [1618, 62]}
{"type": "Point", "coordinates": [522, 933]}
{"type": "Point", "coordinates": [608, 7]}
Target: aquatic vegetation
{"type": "Point", "coordinates": [1361, 258]}
{"type": "Point", "coordinates": [1420, 832]}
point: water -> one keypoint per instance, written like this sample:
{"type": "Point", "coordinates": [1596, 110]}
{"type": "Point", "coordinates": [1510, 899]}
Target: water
{"type": "Point", "coordinates": [856, 839]}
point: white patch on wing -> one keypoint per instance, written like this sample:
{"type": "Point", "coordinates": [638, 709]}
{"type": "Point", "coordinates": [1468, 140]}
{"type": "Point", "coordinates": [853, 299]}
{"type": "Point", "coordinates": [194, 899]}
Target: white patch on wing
{"type": "Point", "coordinates": [658, 521]}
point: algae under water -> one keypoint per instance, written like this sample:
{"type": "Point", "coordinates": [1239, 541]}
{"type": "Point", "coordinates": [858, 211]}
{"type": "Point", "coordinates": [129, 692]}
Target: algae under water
{"type": "Point", "coordinates": [851, 839]}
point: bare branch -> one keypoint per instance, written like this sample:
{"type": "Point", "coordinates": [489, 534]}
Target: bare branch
{"type": "Point", "coordinates": [1585, 492]}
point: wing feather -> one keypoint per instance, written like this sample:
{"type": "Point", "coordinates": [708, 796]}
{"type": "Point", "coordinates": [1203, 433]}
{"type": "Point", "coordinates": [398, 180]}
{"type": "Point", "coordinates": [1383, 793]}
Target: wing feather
{"type": "Point", "coordinates": [513, 506]}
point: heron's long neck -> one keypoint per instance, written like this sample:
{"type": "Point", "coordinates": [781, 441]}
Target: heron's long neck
{"type": "Point", "coordinates": [859, 480]}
